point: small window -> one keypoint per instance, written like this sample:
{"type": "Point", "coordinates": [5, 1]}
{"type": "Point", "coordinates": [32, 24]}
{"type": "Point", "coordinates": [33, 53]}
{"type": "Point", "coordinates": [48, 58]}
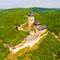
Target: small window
{"type": "Point", "coordinates": [32, 20]}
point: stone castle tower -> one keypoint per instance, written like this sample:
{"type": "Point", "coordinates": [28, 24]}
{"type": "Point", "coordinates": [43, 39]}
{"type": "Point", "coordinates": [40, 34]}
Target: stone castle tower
{"type": "Point", "coordinates": [30, 19]}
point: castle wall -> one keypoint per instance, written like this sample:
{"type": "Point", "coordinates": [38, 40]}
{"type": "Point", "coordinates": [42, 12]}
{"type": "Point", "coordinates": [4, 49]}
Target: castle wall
{"type": "Point", "coordinates": [41, 32]}
{"type": "Point", "coordinates": [27, 44]}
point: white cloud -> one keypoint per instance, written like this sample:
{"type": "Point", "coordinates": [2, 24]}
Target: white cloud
{"type": "Point", "coordinates": [29, 3]}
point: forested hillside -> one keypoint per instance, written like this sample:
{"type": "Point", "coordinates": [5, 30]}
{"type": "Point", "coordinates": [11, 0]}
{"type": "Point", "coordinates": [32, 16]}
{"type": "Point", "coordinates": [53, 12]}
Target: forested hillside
{"type": "Point", "coordinates": [2, 10]}
{"type": "Point", "coordinates": [11, 18]}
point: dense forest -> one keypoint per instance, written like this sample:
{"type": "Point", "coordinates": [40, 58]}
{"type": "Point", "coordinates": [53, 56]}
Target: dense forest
{"type": "Point", "coordinates": [11, 18]}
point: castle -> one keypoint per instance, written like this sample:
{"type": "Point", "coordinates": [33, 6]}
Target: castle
{"type": "Point", "coordinates": [33, 37]}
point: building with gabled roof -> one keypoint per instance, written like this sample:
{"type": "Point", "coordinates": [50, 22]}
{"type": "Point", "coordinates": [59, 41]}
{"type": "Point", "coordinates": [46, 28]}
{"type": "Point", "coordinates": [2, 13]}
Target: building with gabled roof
{"type": "Point", "coordinates": [42, 27]}
{"type": "Point", "coordinates": [36, 22]}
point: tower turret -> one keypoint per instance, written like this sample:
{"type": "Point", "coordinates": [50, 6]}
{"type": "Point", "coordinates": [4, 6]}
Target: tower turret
{"type": "Point", "coordinates": [30, 19]}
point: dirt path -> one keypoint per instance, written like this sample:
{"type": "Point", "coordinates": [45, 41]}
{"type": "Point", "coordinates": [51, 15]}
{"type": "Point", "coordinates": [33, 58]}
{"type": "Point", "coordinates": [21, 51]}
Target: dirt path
{"type": "Point", "coordinates": [56, 36]}
{"type": "Point", "coordinates": [11, 57]}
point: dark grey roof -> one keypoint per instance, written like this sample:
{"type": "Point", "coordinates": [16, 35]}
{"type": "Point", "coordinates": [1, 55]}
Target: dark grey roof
{"type": "Point", "coordinates": [36, 22]}
{"type": "Point", "coordinates": [42, 27]}
{"type": "Point", "coordinates": [30, 14]}
{"type": "Point", "coordinates": [31, 37]}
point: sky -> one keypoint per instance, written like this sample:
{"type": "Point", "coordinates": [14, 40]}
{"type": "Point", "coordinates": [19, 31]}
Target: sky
{"type": "Point", "coordinates": [29, 3]}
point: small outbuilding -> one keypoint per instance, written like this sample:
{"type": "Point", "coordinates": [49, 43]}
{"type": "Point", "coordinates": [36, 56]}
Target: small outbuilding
{"type": "Point", "coordinates": [36, 22]}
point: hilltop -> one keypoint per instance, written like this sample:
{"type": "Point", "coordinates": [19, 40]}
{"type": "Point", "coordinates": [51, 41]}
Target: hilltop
{"type": "Point", "coordinates": [11, 18]}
